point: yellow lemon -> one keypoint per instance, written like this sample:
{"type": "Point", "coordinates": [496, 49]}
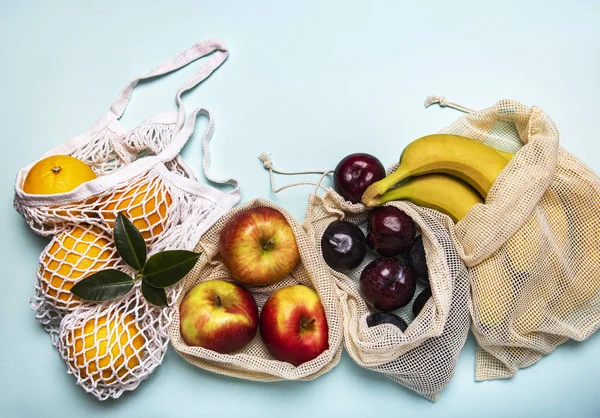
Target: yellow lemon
{"type": "Point", "coordinates": [105, 349]}
{"type": "Point", "coordinates": [143, 204]}
{"type": "Point", "coordinates": [57, 174]}
{"type": "Point", "coordinates": [71, 256]}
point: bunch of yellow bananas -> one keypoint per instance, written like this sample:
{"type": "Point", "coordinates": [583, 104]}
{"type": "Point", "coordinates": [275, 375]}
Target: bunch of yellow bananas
{"type": "Point", "coordinates": [449, 173]}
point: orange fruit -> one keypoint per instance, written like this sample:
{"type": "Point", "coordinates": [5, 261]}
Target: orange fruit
{"type": "Point", "coordinates": [57, 174]}
{"type": "Point", "coordinates": [71, 256]}
{"type": "Point", "coordinates": [144, 204]}
{"type": "Point", "coordinates": [106, 348]}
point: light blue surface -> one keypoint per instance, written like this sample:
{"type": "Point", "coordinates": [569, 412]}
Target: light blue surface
{"type": "Point", "coordinates": [310, 83]}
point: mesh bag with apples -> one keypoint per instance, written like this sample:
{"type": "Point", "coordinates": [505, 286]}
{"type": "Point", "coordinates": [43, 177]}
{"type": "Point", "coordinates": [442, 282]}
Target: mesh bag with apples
{"type": "Point", "coordinates": [111, 347]}
{"type": "Point", "coordinates": [533, 248]}
{"type": "Point", "coordinates": [424, 355]}
{"type": "Point", "coordinates": [215, 321]}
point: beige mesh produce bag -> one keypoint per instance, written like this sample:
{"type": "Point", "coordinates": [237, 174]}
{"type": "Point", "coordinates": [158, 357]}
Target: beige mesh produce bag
{"type": "Point", "coordinates": [254, 362]}
{"type": "Point", "coordinates": [422, 358]}
{"type": "Point", "coordinates": [533, 248]}
{"type": "Point", "coordinates": [139, 172]}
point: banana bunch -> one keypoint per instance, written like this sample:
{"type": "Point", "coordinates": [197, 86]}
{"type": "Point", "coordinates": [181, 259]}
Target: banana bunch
{"type": "Point", "coordinates": [449, 173]}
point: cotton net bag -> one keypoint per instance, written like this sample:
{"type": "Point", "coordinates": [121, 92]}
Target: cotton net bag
{"type": "Point", "coordinates": [533, 248]}
{"type": "Point", "coordinates": [254, 362]}
{"type": "Point", "coordinates": [422, 358]}
{"type": "Point", "coordinates": [111, 347]}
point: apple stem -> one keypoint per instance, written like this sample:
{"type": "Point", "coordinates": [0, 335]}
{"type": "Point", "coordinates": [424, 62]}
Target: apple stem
{"type": "Point", "coordinates": [219, 303]}
{"type": "Point", "coordinates": [266, 246]}
{"type": "Point", "coordinates": [305, 324]}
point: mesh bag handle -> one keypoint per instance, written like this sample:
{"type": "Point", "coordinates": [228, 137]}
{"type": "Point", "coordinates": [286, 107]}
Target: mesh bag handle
{"type": "Point", "coordinates": [193, 53]}
{"type": "Point", "coordinates": [117, 109]}
{"type": "Point", "coordinates": [181, 138]}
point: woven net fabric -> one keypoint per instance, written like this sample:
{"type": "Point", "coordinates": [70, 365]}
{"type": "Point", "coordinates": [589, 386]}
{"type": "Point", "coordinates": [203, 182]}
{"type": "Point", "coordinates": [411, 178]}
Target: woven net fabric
{"type": "Point", "coordinates": [171, 210]}
{"type": "Point", "coordinates": [112, 347]}
{"type": "Point", "coordinates": [422, 358]}
{"type": "Point", "coordinates": [254, 362]}
{"type": "Point", "coordinates": [532, 249]}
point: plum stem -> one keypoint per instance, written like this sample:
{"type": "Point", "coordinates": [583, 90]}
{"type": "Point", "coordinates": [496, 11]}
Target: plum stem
{"type": "Point", "coordinates": [305, 324]}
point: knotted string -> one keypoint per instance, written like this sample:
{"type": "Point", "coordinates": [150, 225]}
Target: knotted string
{"type": "Point", "coordinates": [441, 100]}
{"type": "Point", "coordinates": [268, 165]}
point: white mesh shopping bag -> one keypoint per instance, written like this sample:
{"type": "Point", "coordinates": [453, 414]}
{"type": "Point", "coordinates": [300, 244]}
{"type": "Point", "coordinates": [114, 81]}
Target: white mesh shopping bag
{"type": "Point", "coordinates": [254, 362]}
{"type": "Point", "coordinates": [423, 357]}
{"type": "Point", "coordinates": [533, 249]}
{"type": "Point", "coordinates": [141, 174]}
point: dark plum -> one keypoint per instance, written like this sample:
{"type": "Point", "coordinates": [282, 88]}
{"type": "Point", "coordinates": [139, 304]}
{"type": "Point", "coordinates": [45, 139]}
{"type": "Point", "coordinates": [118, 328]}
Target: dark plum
{"type": "Point", "coordinates": [421, 300]}
{"type": "Point", "coordinates": [390, 231]}
{"type": "Point", "coordinates": [355, 173]}
{"type": "Point", "coordinates": [377, 318]}
{"type": "Point", "coordinates": [343, 245]}
{"type": "Point", "coordinates": [387, 284]}
{"type": "Point", "coordinates": [417, 260]}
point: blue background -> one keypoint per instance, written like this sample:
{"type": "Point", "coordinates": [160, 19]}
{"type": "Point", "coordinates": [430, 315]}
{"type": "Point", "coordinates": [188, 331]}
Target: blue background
{"type": "Point", "coordinates": [310, 83]}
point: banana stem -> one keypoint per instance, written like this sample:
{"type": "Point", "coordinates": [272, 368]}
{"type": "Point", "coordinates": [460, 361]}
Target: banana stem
{"type": "Point", "coordinates": [372, 196]}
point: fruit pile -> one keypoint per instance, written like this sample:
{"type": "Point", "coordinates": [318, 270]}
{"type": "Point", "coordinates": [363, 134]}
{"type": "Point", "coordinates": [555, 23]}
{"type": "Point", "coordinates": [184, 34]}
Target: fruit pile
{"type": "Point", "coordinates": [104, 346]}
{"type": "Point", "coordinates": [403, 288]}
{"type": "Point", "coordinates": [387, 283]}
{"type": "Point", "coordinates": [259, 303]}
{"type": "Point", "coordinates": [258, 248]}
{"type": "Point", "coordinates": [445, 172]}
{"type": "Point", "coordinates": [448, 173]}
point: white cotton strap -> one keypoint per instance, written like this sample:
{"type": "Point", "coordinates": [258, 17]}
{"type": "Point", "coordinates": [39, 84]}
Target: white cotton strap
{"type": "Point", "coordinates": [191, 54]}
{"type": "Point", "coordinates": [441, 100]}
{"type": "Point", "coordinates": [182, 136]}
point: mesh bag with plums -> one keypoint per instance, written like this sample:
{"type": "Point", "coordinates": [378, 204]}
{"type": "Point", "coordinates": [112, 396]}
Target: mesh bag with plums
{"type": "Point", "coordinates": [260, 303]}
{"type": "Point", "coordinates": [403, 289]}
{"type": "Point", "coordinates": [75, 195]}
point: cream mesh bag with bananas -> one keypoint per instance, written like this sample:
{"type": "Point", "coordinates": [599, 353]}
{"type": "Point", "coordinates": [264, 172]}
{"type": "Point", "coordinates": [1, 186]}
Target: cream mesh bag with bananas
{"type": "Point", "coordinates": [111, 347]}
{"type": "Point", "coordinates": [254, 361]}
{"type": "Point", "coordinates": [533, 248]}
{"type": "Point", "coordinates": [423, 357]}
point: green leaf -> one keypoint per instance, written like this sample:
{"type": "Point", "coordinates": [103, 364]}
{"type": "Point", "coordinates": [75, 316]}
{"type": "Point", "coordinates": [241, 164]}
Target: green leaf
{"type": "Point", "coordinates": [166, 268]}
{"type": "Point", "coordinates": [130, 243]}
{"type": "Point", "coordinates": [104, 285]}
{"type": "Point", "coordinates": [154, 295]}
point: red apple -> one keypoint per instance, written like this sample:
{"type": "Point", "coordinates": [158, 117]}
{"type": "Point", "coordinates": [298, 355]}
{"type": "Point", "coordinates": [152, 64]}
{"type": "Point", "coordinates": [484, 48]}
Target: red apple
{"type": "Point", "coordinates": [293, 325]}
{"type": "Point", "coordinates": [258, 247]}
{"type": "Point", "coordinates": [219, 316]}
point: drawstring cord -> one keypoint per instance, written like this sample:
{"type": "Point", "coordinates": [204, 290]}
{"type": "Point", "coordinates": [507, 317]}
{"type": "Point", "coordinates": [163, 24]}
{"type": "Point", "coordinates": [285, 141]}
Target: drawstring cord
{"type": "Point", "coordinates": [441, 100]}
{"type": "Point", "coordinates": [265, 158]}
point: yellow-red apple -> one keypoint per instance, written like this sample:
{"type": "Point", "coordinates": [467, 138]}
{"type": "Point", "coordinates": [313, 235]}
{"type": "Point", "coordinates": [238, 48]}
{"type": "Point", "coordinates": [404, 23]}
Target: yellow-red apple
{"type": "Point", "coordinates": [293, 325]}
{"type": "Point", "coordinates": [219, 316]}
{"type": "Point", "coordinates": [258, 246]}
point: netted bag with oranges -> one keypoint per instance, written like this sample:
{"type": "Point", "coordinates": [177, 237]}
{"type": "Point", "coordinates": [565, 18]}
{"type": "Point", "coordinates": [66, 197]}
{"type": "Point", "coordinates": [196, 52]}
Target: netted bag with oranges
{"type": "Point", "coordinates": [85, 248]}
{"type": "Point", "coordinates": [70, 197]}
{"type": "Point", "coordinates": [112, 348]}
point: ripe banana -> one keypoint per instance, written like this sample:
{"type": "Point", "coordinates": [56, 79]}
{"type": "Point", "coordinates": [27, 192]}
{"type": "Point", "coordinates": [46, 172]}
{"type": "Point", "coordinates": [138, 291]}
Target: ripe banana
{"type": "Point", "coordinates": [467, 159]}
{"type": "Point", "coordinates": [507, 155]}
{"type": "Point", "coordinates": [436, 191]}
